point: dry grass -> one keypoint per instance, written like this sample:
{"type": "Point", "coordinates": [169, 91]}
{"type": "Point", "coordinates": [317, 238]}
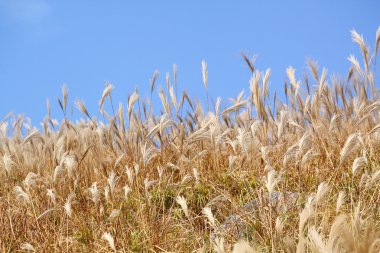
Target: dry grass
{"type": "Point", "coordinates": [146, 182]}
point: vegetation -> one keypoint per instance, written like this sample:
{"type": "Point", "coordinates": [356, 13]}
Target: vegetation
{"type": "Point", "coordinates": [166, 182]}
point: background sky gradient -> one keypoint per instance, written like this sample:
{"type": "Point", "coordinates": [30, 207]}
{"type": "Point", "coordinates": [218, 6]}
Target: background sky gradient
{"type": "Point", "coordinates": [44, 44]}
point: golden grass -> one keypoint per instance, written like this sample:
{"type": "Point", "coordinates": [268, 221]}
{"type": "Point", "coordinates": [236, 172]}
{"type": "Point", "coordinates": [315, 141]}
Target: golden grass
{"type": "Point", "coordinates": [167, 182]}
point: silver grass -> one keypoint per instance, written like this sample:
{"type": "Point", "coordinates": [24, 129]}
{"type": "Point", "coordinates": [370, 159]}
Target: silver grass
{"type": "Point", "coordinates": [95, 194]}
{"type": "Point", "coordinates": [210, 217]}
{"type": "Point", "coordinates": [106, 92]}
{"type": "Point", "coordinates": [182, 202]}
{"type": "Point", "coordinates": [242, 246]}
{"type": "Point", "coordinates": [322, 191]}
{"type": "Point", "coordinates": [45, 213]}
{"type": "Point", "coordinates": [349, 147]}
{"type": "Point", "coordinates": [50, 193]}
{"type": "Point", "coordinates": [218, 245]}
{"type": "Point", "coordinates": [112, 181]}
{"type": "Point", "coordinates": [21, 194]}
{"type": "Point", "coordinates": [359, 164]}
{"type": "Point", "coordinates": [127, 190]}
{"type": "Point", "coordinates": [27, 246]}
{"type": "Point", "coordinates": [109, 238]}
{"type": "Point", "coordinates": [8, 163]}
{"type": "Point", "coordinates": [272, 180]}
{"type": "Point", "coordinates": [67, 206]}
{"type": "Point", "coordinates": [115, 213]}
{"type": "Point", "coordinates": [205, 74]}
{"type": "Point", "coordinates": [30, 180]}
{"type": "Point", "coordinates": [340, 201]}
{"type": "Point", "coordinates": [131, 101]}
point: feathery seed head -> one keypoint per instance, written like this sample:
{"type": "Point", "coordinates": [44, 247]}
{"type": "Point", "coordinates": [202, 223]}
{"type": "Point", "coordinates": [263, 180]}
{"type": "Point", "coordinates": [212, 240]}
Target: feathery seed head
{"type": "Point", "coordinates": [242, 246]}
{"type": "Point", "coordinates": [127, 190]}
{"type": "Point", "coordinates": [210, 217]}
{"type": "Point", "coordinates": [27, 246]}
{"type": "Point", "coordinates": [67, 205]}
{"type": "Point", "coordinates": [272, 180]}
{"type": "Point", "coordinates": [182, 202]}
{"type": "Point", "coordinates": [21, 194]}
{"type": "Point", "coordinates": [95, 194]}
{"type": "Point", "coordinates": [205, 74]}
{"type": "Point", "coordinates": [109, 238]}
{"type": "Point", "coordinates": [114, 214]}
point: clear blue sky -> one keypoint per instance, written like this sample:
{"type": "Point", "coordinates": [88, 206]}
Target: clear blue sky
{"type": "Point", "coordinates": [83, 44]}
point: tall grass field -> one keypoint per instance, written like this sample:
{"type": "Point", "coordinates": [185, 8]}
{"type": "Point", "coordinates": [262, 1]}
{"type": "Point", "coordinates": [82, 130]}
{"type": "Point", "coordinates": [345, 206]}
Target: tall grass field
{"type": "Point", "coordinates": [292, 172]}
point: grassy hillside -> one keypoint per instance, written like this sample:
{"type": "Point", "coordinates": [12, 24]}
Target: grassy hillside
{"type": "Point", "coordinates": [300, 175]}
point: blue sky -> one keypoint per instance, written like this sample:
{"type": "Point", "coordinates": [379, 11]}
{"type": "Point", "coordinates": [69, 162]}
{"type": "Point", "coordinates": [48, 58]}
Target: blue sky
{"type": "Point", "coordinates": [84, 44]}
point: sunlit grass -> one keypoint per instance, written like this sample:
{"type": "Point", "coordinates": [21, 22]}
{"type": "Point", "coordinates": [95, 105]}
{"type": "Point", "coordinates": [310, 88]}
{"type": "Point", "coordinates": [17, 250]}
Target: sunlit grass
{"type": "Point", "coordinates": [300, 176]}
